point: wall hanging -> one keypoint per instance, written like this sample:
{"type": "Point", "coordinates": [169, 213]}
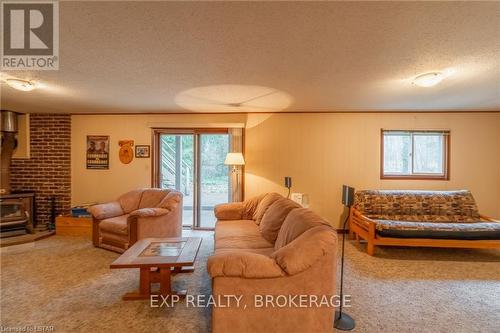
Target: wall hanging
{"type": "Point", "coordinates": [97, 152]}
{"type": "Point", "coordinates": [126, 153]}
{"type": "Point", "coordinates": [142, 151]}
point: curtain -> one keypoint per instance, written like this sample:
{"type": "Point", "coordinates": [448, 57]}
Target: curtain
{"type": "Point", "coordinates": [236, 178]}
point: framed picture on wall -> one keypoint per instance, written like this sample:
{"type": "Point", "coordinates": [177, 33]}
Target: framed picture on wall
{"type": "Point", "coordinates": [97, 152]}
{"type": "Point", "coordinates": [142, 151]}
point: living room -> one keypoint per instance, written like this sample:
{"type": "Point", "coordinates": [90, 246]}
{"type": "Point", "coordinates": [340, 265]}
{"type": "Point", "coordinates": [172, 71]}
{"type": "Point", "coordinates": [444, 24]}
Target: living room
{"type": "Point", "coordinates": [340, 149]}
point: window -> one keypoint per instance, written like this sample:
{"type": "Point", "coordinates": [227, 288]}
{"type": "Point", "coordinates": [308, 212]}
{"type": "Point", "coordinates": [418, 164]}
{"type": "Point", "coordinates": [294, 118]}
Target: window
{"type": "Point", "coordinates": [415, 154]}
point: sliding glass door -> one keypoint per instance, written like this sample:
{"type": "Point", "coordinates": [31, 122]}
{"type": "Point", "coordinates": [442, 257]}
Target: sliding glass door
{"type": "Point", "coordinates": [214, 176]}
{"type": "Point", "coordinates": [176, 169]}
{"type": "Point", "coordinates": [192, 162]}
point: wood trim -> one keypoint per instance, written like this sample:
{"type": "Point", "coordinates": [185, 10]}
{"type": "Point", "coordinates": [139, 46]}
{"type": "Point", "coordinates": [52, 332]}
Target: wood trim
{"type": "Point", "coordinates": [186, 130]}
{"type": "Point", "coordinates": [281, 112]}
{"type": "Point", "coordinates": [447, 152]}
{"type": "Point", "coordinates": [243, 134]}
{"type": "Point", "coordinates": [487, 218]}
{"type": "Point", "coordinates": [197, 179]}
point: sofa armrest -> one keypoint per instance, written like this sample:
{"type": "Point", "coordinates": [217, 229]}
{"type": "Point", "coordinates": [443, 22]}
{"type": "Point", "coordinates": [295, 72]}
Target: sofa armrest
{"type": "Point", "coordinates": [229, 211]}
{"type": "Point", "coordinates": [149, 212]}
{"type": "Point", "coordinates": [305, 250]}
{"type": "Point", "coordinates": [243, 264]}
{"type": "Point", "coordinates": [106, 210]}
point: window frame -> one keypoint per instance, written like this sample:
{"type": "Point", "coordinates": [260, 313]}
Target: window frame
{"type": "Point", "coordinates": [418, 176]}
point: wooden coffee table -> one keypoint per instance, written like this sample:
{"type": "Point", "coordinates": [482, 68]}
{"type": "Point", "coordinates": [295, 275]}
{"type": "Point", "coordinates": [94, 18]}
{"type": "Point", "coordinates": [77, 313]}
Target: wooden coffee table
{"type": "Point", "coordinates": [158, 259]}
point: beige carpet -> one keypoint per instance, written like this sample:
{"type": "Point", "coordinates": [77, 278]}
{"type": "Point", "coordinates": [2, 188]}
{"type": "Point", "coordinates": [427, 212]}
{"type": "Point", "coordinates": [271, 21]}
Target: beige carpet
{"type": "Point", "coordinates": [65, 282]}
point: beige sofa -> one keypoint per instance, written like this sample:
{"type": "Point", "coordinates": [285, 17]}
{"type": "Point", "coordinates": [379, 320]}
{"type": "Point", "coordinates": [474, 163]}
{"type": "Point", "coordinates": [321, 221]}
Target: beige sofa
{"type": "Point", "coordinates": [270, 246]}
{"type": "Point", "coordinates": [135, 215]}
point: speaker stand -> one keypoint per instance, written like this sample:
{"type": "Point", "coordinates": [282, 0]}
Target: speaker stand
{"type": "Point", "coordinates": [343, 321]}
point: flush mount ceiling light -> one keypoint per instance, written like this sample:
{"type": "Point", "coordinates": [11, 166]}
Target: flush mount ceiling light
{"type": "Point", "coordinates": [23, 85]}
{"type": "Point", "coordinates": [428, 79]}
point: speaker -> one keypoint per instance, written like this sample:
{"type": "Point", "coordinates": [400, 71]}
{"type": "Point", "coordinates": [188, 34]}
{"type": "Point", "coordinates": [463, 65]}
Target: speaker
{"type": "Point", "coordinates": [347, 195]}
{"type": "Point", "coordinates": [288, 182]}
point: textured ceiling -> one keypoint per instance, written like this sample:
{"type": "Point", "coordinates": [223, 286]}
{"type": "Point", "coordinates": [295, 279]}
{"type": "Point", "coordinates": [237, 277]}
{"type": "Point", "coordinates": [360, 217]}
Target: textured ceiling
{"type": "Point", "coordinates": [268, 56]}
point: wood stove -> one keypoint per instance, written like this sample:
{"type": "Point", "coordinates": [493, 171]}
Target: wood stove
{"type": "Point", "coordinates": [17, 212]}
{"type": "Point", "coordinates": [16, 209]}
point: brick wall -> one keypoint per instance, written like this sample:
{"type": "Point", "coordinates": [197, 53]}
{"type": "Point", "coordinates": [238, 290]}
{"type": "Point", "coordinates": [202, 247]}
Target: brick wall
{"type": "Point", "coordinates": [48, 170]}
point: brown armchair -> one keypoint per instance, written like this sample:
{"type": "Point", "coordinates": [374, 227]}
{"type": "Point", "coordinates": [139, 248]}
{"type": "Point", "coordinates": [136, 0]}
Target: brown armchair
{"type": "Point", "coordinates": [135, 215]}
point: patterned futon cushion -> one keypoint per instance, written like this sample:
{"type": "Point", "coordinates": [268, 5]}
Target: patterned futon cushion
{"type": "Point", "coordinates": [423, 206]}
{"type": "Point", "coordinates": [441, 226]}
{"type": "Point", "coordinates": [441, 230]}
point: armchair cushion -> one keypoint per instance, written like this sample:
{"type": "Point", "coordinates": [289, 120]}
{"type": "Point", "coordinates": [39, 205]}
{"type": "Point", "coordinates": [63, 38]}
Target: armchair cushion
{"type": "Point", "coordinates": [229, 211]}
{"type": "Point", "coordinates": [106, 210]}
{"type": "Point", "coordinates": [243, 264]}
{"type": "Point", "coordinates": [130, 200]}
{"type": "Point", "coordinates": [117, 225]}
{"type": "Point", "coordinates": [147, 212]}
{"type": "Point", "coordinates": [151, 197]}
{"type": "Point", "coordinates": [305, 250]}
{"type": "Point", "coordinates": [171, 200]}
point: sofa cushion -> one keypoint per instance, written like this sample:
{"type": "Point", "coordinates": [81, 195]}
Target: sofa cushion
{"type": "Point", "coordinates": [298, 221]}
{"type": "Point", "coordinates": [250, 206]}
{"type": "Point", "coordinates": [439, 230]}
{"type": "Point", "coordinates": [152, 197]}
{"type": "Point", "coordinates": [305, 250]}
{"type": "Point", "coordinates": [130, 200]}
{"type": "Point", "coordinates": [116, 225]}
{"type": "Point", "coordinates": [417, 205]}
{"type": "Point", "coordinates": [265, 251]}
{"type": "Point", "coordinates": [243, 264]}
{"type": "Point", "coordinates": [263, 205]}
{"type": "Point", "coordinates": [239, 234]}
{"type": "Point", "coordinates": [274, 217]}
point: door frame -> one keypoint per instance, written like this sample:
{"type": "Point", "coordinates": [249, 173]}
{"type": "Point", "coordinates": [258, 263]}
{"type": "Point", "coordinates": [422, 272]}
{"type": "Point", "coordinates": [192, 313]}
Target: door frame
{"type": "Point", "coordinates": [155, 170]}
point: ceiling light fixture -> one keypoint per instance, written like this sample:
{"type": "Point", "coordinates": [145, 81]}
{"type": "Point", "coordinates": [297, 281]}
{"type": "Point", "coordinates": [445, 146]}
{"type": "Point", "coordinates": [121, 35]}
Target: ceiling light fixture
{"type": "Point", "coordinates": [23, 85]}
{"type": "Point", "coordinates": [428, 79]}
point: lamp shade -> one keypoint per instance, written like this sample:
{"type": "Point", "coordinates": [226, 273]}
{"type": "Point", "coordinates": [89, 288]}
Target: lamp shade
{"type": "Point", "coordinates": [234, 159]}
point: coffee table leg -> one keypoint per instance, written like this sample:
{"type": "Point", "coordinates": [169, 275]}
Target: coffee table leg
{"type": "Point", "coordinates": [144, 286]}
{"type": "Point", "coordinates": [165, 281]}
{"type": "Point", "coordinates": [145, 282]}
{"type": "Point", "coordinates": [161, 275]}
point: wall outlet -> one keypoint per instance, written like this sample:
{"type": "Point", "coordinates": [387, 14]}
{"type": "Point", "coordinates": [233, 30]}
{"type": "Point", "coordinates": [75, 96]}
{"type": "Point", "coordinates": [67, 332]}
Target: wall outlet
{"type": "Point", "coordinates": [300, 198]}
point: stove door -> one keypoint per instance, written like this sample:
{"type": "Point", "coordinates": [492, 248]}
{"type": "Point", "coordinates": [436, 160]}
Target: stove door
{"type": "Point", "coordinates": [12, 212]}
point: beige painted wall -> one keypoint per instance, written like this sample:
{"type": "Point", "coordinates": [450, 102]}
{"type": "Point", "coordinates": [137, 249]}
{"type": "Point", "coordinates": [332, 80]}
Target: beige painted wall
{"type": "Point", "coordinates": [319, 151]}
{"type": "Point", "coordinates": [103, 185]}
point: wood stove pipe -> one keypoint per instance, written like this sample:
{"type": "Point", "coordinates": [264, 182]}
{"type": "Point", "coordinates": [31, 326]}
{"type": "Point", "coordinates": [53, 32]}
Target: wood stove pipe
{"type": "Point", "coordinates": [8, 145]}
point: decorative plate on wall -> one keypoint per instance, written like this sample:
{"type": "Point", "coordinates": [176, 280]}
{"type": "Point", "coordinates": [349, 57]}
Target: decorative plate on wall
{"type": "Point", "coordinates": [126, 153]}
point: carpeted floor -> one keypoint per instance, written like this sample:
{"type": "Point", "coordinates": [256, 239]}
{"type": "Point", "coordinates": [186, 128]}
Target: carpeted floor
{"type": "Point", "coordinates": [65, 282]}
